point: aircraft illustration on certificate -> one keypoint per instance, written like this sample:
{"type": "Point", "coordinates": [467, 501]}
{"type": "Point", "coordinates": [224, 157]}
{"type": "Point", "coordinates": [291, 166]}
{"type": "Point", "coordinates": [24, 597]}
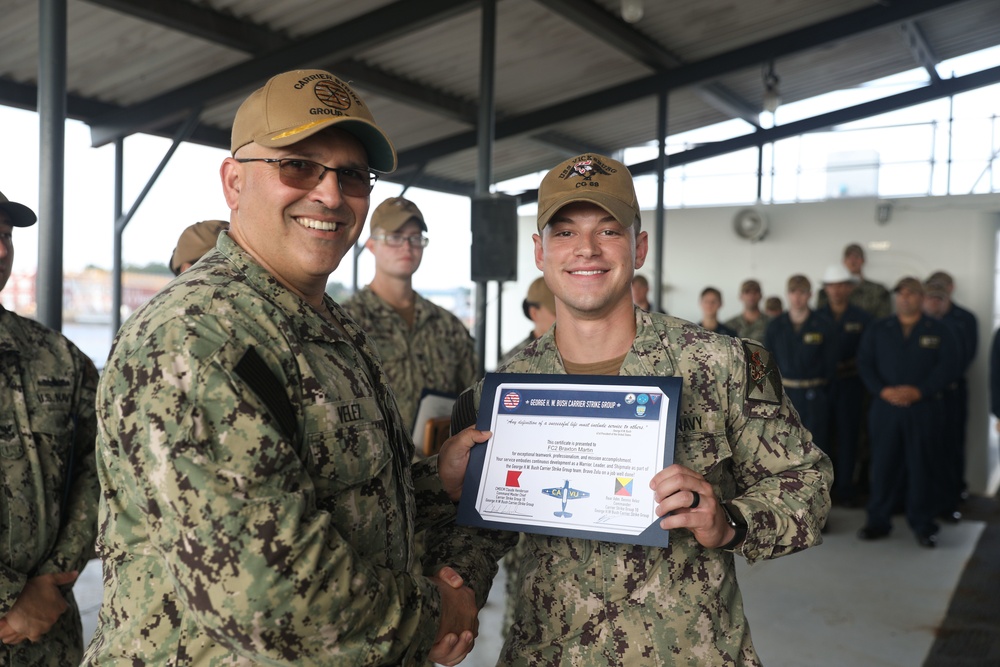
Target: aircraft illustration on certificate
{"type": "Point", "coordinates": [566, 494]}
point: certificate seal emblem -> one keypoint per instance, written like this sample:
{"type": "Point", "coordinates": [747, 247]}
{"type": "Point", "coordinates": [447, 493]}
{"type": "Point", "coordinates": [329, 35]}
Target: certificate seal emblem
{"type": "Point", "coordinates": [511, 400]}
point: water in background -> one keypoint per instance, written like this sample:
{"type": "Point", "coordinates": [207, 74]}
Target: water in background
{"type": "Point", "coordinates": [93, 339]}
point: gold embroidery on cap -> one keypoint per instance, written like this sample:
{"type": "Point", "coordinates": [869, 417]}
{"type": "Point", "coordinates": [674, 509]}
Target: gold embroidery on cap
{"type": "Point", "coordinates": [300, 128]}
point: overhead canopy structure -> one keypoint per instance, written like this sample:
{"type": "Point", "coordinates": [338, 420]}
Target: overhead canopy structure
{"type": "Point", "coordinates": [571, 75]}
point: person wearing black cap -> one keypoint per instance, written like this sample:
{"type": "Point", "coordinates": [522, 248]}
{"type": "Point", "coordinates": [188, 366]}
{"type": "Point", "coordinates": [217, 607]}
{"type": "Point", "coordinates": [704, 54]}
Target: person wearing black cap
{"type": "Point", "coordinates": [906, 361]}
{"type": "Point", "coordinates": [51, 489]}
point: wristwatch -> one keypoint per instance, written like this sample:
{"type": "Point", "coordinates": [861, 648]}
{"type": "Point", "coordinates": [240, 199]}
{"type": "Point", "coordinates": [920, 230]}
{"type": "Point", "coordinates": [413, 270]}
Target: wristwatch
{"type": "Point", "coordinates": [734, 519]}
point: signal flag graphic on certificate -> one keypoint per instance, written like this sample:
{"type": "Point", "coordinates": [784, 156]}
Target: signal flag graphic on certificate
{"type": "Point", "coordinates": [512, 477]}
{"type": "Point", "coordinates": [623, 486]}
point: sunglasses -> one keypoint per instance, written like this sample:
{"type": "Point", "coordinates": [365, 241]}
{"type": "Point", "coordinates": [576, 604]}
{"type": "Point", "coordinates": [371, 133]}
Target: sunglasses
{"type": "Point", "coordinates": [306, 175]}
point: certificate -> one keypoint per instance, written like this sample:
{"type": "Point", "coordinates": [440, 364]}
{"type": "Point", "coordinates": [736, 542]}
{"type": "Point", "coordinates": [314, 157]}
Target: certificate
{"type": "Point", "coordinates": [572, 455]}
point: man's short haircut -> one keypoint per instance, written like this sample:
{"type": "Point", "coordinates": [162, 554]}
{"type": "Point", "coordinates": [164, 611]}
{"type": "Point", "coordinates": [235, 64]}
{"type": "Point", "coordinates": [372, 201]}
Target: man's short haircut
{"type": "Point", "coordinates": [711, 290]}
{"type": "Point", "coordinates": [640, 279]}
{"type": "Point", "coordinates": [799, 282]}
{"type": "Point", "coordinates": [854, 249]}
{"type": "Point", "coordinates": [750, 285]}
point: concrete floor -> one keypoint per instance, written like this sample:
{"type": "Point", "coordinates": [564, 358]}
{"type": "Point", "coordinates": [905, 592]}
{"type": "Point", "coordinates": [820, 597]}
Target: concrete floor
{"type": "Point", "coordinates": [846, 602]}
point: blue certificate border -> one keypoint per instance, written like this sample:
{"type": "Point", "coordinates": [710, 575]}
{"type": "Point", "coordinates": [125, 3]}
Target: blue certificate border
{"type": "Point", "coordinates": [468, 515]}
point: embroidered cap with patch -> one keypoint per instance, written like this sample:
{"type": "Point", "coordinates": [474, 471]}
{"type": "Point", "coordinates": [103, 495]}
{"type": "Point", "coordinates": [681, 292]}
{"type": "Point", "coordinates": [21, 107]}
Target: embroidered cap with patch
{"type": "Point", "coordinates": [295, 105]}
{"type": "Point", "coordinates": [589, 178]}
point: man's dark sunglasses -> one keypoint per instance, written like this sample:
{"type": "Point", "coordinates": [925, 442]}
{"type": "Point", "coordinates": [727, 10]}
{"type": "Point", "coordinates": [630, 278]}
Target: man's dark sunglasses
{"type": "Point", "coordinates": [306, 175]}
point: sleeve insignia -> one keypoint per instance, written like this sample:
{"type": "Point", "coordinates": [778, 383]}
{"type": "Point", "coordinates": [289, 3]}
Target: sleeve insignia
{"type": "Point", "coordinates": [763, 378]}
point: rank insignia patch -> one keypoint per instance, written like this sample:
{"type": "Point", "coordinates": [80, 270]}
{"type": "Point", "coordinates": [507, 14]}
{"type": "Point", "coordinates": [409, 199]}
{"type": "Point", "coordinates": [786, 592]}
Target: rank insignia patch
{"type": "Point", "coordinates": [764, 380]}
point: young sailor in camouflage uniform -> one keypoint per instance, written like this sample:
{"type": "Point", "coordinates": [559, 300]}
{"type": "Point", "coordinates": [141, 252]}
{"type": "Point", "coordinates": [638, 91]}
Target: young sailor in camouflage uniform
{"type": "Point", "coordinates": [48, 510]}
{"type": "Point", "coordinates": [746, 480]}
{"type": "Point", "coordinates": [422, 345]}
{"type": "Point", "coordinates": [258, 498]}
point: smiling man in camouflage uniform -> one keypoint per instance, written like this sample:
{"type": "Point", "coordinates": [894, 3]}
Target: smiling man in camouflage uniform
{"type": "Point", "coordinates": [259, 504]}
{"type": "Point", "coordinates": [48, 510]}
{"type": "Point", "coordinates": [746, 479]}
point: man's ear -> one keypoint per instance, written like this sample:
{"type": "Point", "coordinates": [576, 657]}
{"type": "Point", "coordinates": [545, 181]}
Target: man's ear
{"type": "Point", "coordinates": [231, 173]}
{"type": "Point", "coordinates": [539, 253]}
{"type": "Point", "coordinates": [641, 249]}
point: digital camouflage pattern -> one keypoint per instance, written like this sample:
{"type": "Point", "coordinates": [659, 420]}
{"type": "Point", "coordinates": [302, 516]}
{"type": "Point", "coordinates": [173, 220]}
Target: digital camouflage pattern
{"type": "Point", "coordinates": [227, 540]}
{"type": "Point", "coordinates": [514, 351]}
{"type": "Point", "coordinates": [753, 330]}
{"type": "Point", "coordinates": [585, 603]}
{"type": "Point", "coordinates": [437, 353]}
{"type": "Point", "coordinates": [872, 297]}
{"type": "Point", "coordinates": [48, 510]}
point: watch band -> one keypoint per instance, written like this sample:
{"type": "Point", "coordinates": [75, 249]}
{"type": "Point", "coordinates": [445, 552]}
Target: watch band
{"type": "Point", "coordinates": [734, 519]}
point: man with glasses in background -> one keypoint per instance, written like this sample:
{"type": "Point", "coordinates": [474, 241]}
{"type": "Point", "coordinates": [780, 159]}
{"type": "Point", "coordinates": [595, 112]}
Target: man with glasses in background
{"type": "Point", "coordinates": [423, 347]}
{"type": "Point", "coordinates": [259, 502]}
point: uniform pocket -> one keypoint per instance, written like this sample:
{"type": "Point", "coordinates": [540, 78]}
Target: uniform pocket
{"type": "Point", "coordinates": [346, 441]}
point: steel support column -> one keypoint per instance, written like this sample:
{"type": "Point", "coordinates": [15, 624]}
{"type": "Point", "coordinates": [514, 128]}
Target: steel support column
{"type": "Point", "coordinates": [121, 221]}
{"type": "Point", "coordinates": [662, 101]}
{"type": "Point", "coordinates": [51, 159]}
{"type": "Point", "coordinates": [484, 140]}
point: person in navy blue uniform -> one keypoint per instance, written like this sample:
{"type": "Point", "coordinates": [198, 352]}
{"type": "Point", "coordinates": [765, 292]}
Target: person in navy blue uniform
{"type": "Point", "coordinates": [710, 302]}
{"type": "Point", "coordinates": [995, 378]}
{"type": "Point", "coordinates": [847, 393]}
{"type": "Point", "coordinates": [939, 305]}
{"type": "Point", "coordinates": [801, 341]}
{"type": "Point", "coordinates": [906, 361]}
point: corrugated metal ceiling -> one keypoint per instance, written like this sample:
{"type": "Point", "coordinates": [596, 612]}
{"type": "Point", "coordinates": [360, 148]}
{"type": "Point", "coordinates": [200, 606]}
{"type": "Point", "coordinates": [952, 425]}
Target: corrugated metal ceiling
{"type": "Point", "coordinates": [570, 74]}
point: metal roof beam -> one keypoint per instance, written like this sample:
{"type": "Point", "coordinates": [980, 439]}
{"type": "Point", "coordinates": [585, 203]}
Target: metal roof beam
{"type": "Point", "coordinates": [615, 32]}
{"type": "Point", "coordinates": [571, 145]}
{"type": "Point", "coordinates": [921, 48]}
{"type": "Point", "coordinates": [945, 88]}
{"type": "Point", "coordinates": [199, 21]}
{"type": "Point", "coordinates": [337, 42]}
{"type": "Point", "coordinates": [713, 67]}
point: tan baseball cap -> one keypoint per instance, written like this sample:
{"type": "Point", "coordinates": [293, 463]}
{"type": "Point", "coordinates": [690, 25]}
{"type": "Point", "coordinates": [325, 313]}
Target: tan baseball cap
{"type": "Point", "coordinates": [295, 105]}
{"type": "Point", "coordinates": [395, 212]}
{"type": "Point", "coordinates": [19, 214]}
{"type": "Point", "coordinates": [195, 241]}
{"type": "Point", "coordinates": [909, 283]}
{"type": "Point", "coordinates": [590, 178]}
{"type": "Point", "coordinates": [540, 294]}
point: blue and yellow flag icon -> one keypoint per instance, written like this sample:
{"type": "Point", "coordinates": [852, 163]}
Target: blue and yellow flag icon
{"type": "Point", "coordinates": [623, 486]}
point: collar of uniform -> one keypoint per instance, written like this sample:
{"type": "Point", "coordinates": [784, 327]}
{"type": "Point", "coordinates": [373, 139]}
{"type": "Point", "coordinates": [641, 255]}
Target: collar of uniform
{"type": "Point", "coordinates": [651, 347]}
{"type": "Point", "coordinates": [315, 327]}
{"type": "Point", "coordinates": [422, 308]}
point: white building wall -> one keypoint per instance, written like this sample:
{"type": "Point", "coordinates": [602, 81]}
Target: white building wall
{"type": "Point", "coordinates": [955, 234]}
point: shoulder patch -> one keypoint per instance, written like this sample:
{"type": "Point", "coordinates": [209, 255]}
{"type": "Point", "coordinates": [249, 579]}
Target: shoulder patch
{"type": "Point", "coordinates": [763, 378]}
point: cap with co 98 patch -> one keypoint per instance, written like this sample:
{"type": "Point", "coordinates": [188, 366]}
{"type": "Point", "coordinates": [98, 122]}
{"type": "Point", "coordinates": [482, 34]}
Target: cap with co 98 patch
{"type": "Point", "coordinates": [589, 178]}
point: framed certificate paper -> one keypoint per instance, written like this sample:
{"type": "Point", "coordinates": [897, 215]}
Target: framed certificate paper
{"type": "Point", "coordinates": [572, 455]}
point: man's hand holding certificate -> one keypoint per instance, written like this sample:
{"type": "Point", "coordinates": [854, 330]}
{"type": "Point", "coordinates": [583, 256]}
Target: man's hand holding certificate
{"type": "Point", "coordinates": [572, 456]}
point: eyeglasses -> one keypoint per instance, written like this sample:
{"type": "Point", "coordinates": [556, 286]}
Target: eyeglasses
{"type": "Point", "coordinates": [306, 175]}
{"type": "Point", "coordinates": [397, 240]}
